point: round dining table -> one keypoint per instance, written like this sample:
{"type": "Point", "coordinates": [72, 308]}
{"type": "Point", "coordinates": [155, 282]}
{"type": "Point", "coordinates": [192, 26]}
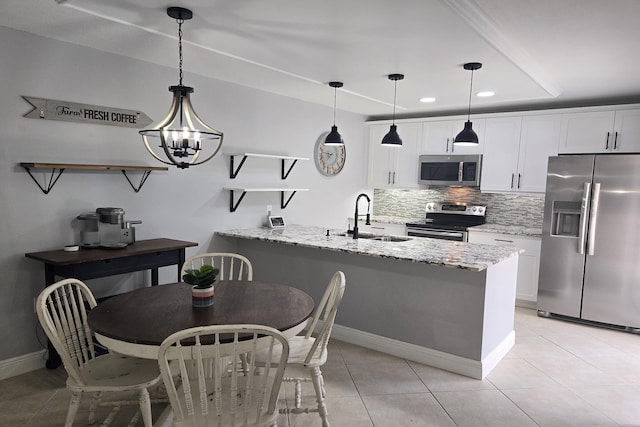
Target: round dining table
{"type": "Point", "coordinates": [137, 322]}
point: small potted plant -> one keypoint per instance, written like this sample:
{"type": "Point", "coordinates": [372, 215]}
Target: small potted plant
{"type": "Point", "coordinates": [202, 281]}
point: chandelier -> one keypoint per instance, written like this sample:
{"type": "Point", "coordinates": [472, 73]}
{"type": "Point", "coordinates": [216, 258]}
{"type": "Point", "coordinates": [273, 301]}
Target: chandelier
{"type": "Point", "coordinates": [184, 138]}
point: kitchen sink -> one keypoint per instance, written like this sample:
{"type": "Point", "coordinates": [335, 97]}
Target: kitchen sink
{"type": "Point", "coordinates": [378, 237]}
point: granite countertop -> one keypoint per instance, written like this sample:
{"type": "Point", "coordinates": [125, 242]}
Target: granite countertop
{"type": "Point", "coordinates": [515, 230]}
{"type": "Point", "coordinates": [468, 256]}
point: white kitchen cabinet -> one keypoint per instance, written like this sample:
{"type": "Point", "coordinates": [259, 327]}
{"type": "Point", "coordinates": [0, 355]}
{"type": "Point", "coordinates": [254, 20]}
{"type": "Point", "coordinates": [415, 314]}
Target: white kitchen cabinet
{"type": "Point", "coordinates": [394, 167]}
{"type": "Point", "coordinates": [500, 159]}
{"type": "Point", "coordinates": [539, 140]}
{"type": "Point", "coordinates": [438, 135]}
{"type": "Point", "coordinates": [615, 131]}
{"type": "Point", "coordinates": [528, 262]}
{"type": "Point", "coordinates": [517, 150]}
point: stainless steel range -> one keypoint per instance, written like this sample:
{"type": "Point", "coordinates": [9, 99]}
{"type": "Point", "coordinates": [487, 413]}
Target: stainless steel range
{"type": "Point", "coordinates": [448, 221]}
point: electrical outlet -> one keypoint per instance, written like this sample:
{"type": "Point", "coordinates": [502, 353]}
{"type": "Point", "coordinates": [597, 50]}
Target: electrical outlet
{"type": "Point", "coordinates": [269, 207]}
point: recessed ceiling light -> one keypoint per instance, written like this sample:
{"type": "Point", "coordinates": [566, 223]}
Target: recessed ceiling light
{"type": "Point", "coordinates": [427, 99]}
{"type": "Point", "coordinates": [486, 93]}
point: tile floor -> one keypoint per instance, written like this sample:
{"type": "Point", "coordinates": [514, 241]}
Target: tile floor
{"type": "Point", "coordinates": [557, 374]}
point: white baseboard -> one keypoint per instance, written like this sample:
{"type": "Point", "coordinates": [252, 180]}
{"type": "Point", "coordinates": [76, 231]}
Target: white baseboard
{"type": "Point", "coordinates": [438, 359]}
{"type": "Point", "coordinates": [526, 303]}
{"type": "Point", "coordinates": [22, 364]}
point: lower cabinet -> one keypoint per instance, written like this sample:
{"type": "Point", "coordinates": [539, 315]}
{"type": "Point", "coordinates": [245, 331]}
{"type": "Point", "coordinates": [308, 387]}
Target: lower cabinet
{"type": "Point", "coordinates": [528, 263]}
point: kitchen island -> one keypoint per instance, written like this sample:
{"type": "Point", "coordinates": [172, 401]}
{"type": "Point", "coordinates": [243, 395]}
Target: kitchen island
{"type": "Point", "coordinates": [445, 304]}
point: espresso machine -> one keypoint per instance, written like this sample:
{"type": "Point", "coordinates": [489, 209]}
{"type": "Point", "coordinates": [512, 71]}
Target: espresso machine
{"type": "Point", "coordinates": [105, 228]}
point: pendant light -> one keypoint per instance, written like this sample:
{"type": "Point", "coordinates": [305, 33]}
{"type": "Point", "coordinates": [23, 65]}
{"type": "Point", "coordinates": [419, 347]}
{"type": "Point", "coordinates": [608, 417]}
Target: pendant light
{"type": "Point", "coordinates": [468, 136]}
{"type": "Point", "coordinates": [184, 138]}
{"type": "Point", "coordinates": [334, 138]}
{"type": "Point", "coordinates": [392, 139]}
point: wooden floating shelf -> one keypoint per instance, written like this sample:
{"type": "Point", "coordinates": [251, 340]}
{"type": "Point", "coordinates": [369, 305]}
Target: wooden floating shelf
{"type": "Point", "coordinates": [58, 168]}
{"type": "Point", "coordinates": [233, 172]}
{"type": "Point", "coordinates": [283, 203]}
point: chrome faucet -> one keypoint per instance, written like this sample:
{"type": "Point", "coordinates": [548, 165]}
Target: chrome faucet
{"type": "Point", "coordinates": [355, 220]}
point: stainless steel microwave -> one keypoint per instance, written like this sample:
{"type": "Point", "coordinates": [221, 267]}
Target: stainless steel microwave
{"type": "Point", "coordinates": [455, 170]}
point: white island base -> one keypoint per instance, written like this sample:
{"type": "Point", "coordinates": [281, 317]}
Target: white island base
{"type": "Point", "coordinates": [450, 318]}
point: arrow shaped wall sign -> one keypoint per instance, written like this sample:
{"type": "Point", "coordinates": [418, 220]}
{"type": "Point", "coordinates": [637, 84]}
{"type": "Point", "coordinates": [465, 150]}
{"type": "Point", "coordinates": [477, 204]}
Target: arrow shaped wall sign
{"type": "Point", "coordinates": [53, 109]}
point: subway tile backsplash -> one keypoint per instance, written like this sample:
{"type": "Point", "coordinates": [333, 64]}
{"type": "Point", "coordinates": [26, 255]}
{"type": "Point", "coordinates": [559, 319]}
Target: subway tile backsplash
{"type": "Point", "coordinates": [505, 209]}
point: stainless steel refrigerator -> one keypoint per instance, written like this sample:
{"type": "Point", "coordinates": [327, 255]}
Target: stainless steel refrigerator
{"type": "Point", "coordinates": [590, 257]}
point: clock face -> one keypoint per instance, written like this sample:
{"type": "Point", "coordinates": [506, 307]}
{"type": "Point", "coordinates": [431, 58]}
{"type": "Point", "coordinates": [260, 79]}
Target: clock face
{"type": "Point", "coordinates": [329, 158]}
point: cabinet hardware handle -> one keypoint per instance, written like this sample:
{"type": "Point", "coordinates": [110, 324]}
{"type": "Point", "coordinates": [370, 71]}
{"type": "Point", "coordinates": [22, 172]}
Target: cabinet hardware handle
{"type": "Point", "coordinates": [389, 178]}
{"type": "Point", "coordinates": [447, 149]}
{"type": "Point", "coordinates": [503, 240]}
{"type": "Point", "coordinates": [606, 145]}
{"type": "Point", "coordinates": [394, 177]}
{"type": "Point", "coordinates": [615, 141]}
{"type": "Point", "coordinates": [513, 175]}
{"type": "Point", "coordinates": [519, 176]}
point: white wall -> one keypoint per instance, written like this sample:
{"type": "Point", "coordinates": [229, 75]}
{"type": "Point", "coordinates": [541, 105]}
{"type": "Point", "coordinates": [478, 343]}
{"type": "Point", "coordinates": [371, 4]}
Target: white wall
{"type": "Point", "coordinates": [181, 204]}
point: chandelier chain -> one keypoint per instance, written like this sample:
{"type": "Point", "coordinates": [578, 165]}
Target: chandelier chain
{"type": "Point", "coordinates": [180, 21]}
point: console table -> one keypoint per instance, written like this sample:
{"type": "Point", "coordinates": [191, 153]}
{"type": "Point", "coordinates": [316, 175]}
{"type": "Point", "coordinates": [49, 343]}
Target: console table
{"type": "Point", "coordinates": [92, 263]}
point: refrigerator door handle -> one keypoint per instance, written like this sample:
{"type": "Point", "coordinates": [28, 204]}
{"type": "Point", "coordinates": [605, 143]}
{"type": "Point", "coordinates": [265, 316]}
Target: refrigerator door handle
{"type": "Point", "coordinates": [582, 232]}
{"type": "Point", "coordinates": [591, 241]}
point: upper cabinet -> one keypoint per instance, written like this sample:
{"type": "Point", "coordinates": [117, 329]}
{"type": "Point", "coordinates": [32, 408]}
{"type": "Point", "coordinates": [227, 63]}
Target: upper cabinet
{"type": "Point", "coordinates": [394, 167]}
{"type": "Point", "coordinates": [438, 135]}
{"type": "Point", "coordinates": [612, 131]}
{"type": "Point", "coordinates": [516, 152]}
{"type": "Point", "coordinates": [500, 159]}
{"type": "Point", "coordinates": [515, 146]}
{"type": "Point", "coordinates": [539, 140]}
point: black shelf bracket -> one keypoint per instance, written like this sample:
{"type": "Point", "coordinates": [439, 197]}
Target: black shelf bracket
{"type": "Point", "coordinates": [284, 174]}
{"type": "Point", "coordinates": [284, 204]}
{"type": "Point", "coordinates": [52, 179]}
{"type": "Point", "coordinates": [137, 188]}
{"type": "Point", "coordinates": [232, 206]}
{"type": "Point", "coordinates": [234, 173]}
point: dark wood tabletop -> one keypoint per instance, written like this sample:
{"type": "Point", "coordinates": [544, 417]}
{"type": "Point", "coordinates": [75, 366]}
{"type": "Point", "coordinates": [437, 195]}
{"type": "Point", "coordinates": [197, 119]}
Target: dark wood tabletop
{"type": "Point", "coordinates": [149, 315]}
{"type": "Point", "coordinates": [61, 257]}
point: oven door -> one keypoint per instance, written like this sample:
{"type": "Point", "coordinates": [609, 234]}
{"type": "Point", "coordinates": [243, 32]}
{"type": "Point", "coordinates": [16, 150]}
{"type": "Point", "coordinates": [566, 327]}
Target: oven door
{"type": "Point", "coordinates": [455, 235]}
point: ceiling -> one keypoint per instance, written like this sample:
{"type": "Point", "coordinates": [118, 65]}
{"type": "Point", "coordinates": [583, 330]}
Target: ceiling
{"type": "Point", "coordinates": [536, 54]}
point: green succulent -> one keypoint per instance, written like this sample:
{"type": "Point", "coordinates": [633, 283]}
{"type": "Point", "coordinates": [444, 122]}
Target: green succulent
{"type": "Point", "coordinates": [201, 278]}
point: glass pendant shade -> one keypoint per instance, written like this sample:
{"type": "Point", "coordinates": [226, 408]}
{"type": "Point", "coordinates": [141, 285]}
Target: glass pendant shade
{"type": "Point", "coordinates": [467, 136]}
{"type": "Point", "coordinates": [334, 137]}
{"type": "Point", "coordinates": [181, 138]}
{"type": "Point", "coordinates": [392, 138]}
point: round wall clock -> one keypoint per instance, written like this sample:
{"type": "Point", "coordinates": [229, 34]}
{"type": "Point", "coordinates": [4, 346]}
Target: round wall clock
{"type": "Point", "coordinates": [329, 158]}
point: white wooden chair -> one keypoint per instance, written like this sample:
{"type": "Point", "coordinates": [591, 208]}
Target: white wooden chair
{"type": "Point", "coordinates": [209, 391]}
{"type": "Point", "coordinates": [232, 266]}
{"type": "Point", "coordinates": [310, 350]}
{"type": "Point", "coordinates": [63, 315]}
